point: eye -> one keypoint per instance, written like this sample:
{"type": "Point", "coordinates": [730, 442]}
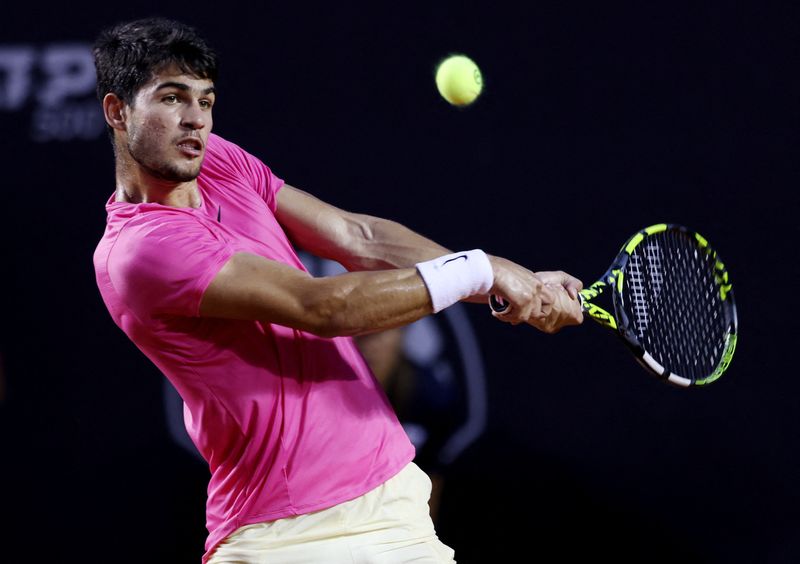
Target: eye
{"type": "Point", "coordinates": [206, 104]}
{"type": "Point", "coordinates": [170, 99]}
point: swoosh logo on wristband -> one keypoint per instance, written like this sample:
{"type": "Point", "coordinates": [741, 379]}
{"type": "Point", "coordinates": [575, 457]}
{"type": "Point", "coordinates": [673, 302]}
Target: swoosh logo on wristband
{"type": "Point", "coordinates": [465, 257]}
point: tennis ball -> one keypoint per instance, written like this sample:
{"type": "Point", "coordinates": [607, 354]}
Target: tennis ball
{"type": "Point", "coordinates": [459, 80]}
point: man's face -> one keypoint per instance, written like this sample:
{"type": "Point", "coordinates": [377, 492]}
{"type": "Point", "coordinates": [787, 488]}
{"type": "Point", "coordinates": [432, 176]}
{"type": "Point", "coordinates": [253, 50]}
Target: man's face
{"type": "Point", "coordinates": [168, 125]}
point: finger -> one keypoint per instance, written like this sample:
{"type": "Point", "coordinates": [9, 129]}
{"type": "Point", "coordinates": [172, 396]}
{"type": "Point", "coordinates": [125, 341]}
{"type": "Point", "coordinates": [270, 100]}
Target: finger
{"type": "Point", "coordinates": [514, 317]}
{"type": "Point", "coordinates": [501, 315]}
{"type": "Point", "coordinates": [578, 314]}
{"type": "Point", "coordinates": [510, 314]}
{"type": "Point", "coordinates": [525, 311]}
{"type": "Point", "coordinates": [548, 293]}
{"type": "Point", "coordinates": [573, 312]}
{"type": "Point", "coordinates": [572, 292]}
{"type": "Point", "coordinates": [573, 286]}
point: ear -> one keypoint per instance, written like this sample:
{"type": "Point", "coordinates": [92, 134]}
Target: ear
{"type": "Point", "coordinates": [115, 111]}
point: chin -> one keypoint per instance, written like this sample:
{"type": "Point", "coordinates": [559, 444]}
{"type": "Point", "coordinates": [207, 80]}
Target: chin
{"type": "Point", "coordinates": [179, 174]}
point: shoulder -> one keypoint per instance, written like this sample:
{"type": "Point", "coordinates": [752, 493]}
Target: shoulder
{"type": "Point", "coordinates": [163, 259]}
{"type": "Point", "coordinates": [226, 162]}
{"type": "Point", "coordinates": [159, 222]}
{"type": "Point", "coordinates": [224, 158]}
{"type": "Point", "coordinates": [220, 147]}
{"type": "Point", "coordinates": [160, 236]}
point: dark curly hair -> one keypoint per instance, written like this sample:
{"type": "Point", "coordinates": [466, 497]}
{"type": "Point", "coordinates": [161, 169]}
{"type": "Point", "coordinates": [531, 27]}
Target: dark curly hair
{"type": "Point", "coordinates": [128, 55]}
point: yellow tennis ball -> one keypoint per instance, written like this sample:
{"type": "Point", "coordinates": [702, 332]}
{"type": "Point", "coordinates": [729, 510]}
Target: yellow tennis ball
{"type": "Point", "coordinates": [459, 80]}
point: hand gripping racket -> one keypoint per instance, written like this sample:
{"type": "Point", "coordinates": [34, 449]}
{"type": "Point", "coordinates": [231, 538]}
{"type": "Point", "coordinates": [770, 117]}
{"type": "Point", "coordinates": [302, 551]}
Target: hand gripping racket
{"type": "Point", "coordinates": [672, 304]}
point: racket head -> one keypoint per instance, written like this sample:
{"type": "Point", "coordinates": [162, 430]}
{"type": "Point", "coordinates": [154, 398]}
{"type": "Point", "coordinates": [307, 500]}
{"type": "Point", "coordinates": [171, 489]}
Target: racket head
{"type": "Point", "coordinates": [673, 304]}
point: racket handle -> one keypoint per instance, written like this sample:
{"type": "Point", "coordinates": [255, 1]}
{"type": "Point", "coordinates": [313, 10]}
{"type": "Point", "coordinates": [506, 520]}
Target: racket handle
{"type": "Point", "coordinates": [497, 304]}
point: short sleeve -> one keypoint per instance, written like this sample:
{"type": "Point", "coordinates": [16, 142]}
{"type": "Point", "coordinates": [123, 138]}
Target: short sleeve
{"type": "Point", "coordinates": [162, 264]}
{"type": "Point", "coordinates": [229, 161]}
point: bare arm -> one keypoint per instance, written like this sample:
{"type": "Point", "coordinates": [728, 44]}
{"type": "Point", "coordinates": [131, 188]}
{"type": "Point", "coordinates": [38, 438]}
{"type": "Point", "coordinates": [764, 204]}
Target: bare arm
{"type": "Point", "coordinates": [363, 242]}
{"type": "Point", "coordinates": [254, 288]}
{"type": "Point", "coordinates": [357, 241]}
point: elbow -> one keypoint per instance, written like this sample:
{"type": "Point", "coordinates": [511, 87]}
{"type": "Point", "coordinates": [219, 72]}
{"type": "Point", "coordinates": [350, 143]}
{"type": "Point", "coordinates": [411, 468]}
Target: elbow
{"type": "Point", "coordinates": [361, 228]}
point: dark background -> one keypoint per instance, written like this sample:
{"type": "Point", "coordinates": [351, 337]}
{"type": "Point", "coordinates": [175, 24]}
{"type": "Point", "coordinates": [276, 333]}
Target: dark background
{"type": "Point", "coordinates": [595, 121]}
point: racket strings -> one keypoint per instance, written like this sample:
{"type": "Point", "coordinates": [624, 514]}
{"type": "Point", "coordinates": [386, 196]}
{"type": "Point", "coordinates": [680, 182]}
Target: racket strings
{"type": "Point", "coordinates": [672, 299]}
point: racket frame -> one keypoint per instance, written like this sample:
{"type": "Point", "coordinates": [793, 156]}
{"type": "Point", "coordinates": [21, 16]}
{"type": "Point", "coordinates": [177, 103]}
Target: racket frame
{"type": "Point", "coordinates": [613, 280]}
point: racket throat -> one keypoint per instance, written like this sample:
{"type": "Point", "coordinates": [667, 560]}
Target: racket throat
{"type": "Point", "coordinates": [597, 313]}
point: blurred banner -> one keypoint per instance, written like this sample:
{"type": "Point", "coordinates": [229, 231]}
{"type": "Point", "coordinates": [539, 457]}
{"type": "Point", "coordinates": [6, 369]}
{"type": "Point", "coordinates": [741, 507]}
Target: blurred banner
{"type": "Point", "coordinates": [53, 87]}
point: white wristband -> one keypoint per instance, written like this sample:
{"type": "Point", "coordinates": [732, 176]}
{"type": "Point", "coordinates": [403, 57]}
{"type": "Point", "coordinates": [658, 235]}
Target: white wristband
{"type": "Point", "coordinates": [451, 278]}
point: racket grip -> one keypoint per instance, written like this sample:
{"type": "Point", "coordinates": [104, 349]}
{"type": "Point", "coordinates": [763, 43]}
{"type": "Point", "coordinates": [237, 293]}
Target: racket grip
{"type": "Point", "coordinates": [497, 304]}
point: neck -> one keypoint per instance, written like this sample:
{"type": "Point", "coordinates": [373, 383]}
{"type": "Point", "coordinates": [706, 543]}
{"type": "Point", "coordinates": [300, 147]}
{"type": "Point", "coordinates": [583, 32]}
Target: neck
{"type": "Point", "coordinates": [136, 185]}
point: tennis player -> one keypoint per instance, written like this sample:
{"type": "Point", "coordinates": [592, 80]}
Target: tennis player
{"type": "Point", "coordinates": [308, 462]}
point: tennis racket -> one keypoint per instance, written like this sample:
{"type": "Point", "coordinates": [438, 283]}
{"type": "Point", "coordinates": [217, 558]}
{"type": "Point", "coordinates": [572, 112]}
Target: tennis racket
{"type": "Point", "coordinates": [671, 303]}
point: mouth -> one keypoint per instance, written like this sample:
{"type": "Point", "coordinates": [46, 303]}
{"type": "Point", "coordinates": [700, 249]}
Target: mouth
{"type": "Point", "coordinates": [190, 146]}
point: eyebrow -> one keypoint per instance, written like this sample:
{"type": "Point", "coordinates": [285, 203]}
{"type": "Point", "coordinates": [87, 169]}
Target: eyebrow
{"type": "Point", "coordinates": [184, 87]}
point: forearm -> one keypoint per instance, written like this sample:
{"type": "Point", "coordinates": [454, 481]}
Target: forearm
{"type": "Point", "coordinates": [251, 287]}
{"type": "Point", "coordinates": [386, 244]}
{"type": "Point", "coordinates": [357, 303]}
{"type": "Point", "coordinates": [357, 241]}
{"type": "Point", "coordinates": [362, 242]}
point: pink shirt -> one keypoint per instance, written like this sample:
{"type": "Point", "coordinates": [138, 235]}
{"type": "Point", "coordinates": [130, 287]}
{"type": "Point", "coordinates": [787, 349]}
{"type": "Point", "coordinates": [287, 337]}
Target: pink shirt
{"type": "Point", "coordinates": [289, 422]}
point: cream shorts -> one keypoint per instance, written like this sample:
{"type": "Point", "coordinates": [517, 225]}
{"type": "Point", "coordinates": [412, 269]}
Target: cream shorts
{"type": "Point", "coordinates": [388, 525]}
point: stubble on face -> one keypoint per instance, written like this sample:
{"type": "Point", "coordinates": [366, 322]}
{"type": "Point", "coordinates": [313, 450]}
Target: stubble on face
{"type": "Point", "coordinates": [168, 110]}
{"type": "Point", "coordinates": [150, 145]}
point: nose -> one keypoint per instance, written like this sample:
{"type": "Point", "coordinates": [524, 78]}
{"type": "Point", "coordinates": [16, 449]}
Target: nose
{"type": "Point", "coordinates": [193, 116]}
